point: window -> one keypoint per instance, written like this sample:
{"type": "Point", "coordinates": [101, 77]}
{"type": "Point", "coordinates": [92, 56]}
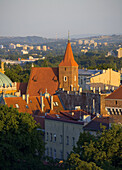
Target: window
{"type": "Point", "coordinates": [73, 141]}
{"type": "Point", "coordinates": [61, 154]}
{"type": "Point", "coordinates": [116, 101]}
{"type": "Point", "coordinates": [65, 68]}
{"type": "Point", "coordinates": [50, 137]}
{"type": "Point", "coordinates": [67, 142]}
{"type": "Point", "coordinates": [74, 78]}
{"type": "Point", "coordinates": [50, 152]}
{"type": "Point", "coordinates": [61, 139]}
{"type": "Point", "coordinates": [81, 81]}
{"type": "Point", "coordinates": [47, 136]}
{"type": "Point", "coordinates": [65, 78]}
{"type": "Point", "coordinates": [47, 151]}
{"type": "Point", "coordinates": [54, 137]}
{"type": "Point", "coordinates": [54, 156]}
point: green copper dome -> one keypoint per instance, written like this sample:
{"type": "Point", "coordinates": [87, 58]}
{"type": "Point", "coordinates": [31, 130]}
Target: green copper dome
{"type": "Point", "coordinates": [4, 80]}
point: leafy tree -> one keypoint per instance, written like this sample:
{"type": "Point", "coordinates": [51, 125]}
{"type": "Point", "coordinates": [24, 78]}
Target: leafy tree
{"type": "Point", "coordinates": [77, 164]}
{"type": "Point", "coordinates": [20, 141]}
{"type": "Point", "coordinates": [105, 149]}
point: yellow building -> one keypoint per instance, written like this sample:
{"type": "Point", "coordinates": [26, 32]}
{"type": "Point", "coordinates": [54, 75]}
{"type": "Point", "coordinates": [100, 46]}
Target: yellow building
{"type": "Point", "coordinates": [119, 52]}
{"type": "Point", "coordinates": [109, 77]}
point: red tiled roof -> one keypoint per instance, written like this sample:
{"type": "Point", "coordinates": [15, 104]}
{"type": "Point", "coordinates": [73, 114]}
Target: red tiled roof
{"type": "Point", "coordinates": [22, 87]}
{"type": "Point", "coordinates": [68, 57]}
{"type": "Point", "coordinates": [42, 78]}
{"type": "Point", "coordinates": [117, 94]}
{"type": "Point", "coordinates": [34, 105]}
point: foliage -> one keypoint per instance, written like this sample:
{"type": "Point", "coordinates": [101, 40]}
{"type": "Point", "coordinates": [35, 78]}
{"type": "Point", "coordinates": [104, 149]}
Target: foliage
{"type": "Point", "coordinates": [105, 150]}
{"type": "Point", "coordinates": [20, 141]}
{"type": "Point", "coordinates": [77, 164]}
{"type": "Point", "coordinates": [17, 74]}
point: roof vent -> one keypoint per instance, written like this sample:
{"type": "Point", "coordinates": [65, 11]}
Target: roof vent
{"type": "Point", "coordinates": [17, 106]}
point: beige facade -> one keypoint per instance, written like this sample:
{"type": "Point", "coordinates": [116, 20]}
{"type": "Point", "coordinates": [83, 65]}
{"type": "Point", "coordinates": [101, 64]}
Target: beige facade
{"type": "Point", "coordinates": [119, 52]}
{"type": "Point", "coordinates": [60, 137]}
{"type": "Point", "coordinates": [108, 77]}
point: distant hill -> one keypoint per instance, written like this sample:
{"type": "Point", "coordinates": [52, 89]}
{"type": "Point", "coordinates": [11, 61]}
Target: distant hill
{"type": "Point", "coordinates": [28, 40]}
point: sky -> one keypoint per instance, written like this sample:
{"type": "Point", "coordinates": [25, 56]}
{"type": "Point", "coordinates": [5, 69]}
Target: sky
{"type": "Point", "coordinates": [46, 18]}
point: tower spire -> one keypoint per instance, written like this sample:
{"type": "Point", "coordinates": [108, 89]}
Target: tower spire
{"type": "Point", "coordinates": [68, 36]}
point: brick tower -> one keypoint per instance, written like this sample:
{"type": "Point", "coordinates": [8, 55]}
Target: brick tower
{"type": "Point", "coordinates": [68, 71]}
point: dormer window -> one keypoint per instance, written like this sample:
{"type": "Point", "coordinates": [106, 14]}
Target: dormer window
{"type": "Point", "coordinates": [65, 78]}
{"type": "Point", "coordinates": [27, 106]}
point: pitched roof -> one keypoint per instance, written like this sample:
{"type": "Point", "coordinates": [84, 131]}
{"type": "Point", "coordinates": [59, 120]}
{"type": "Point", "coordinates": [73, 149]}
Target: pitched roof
{"type": "Point", "coordinates": [117, 94]}
{"type": "Point", "coordinates": [68, 57]}
{"type": "Point", "coordinates": [42, 78]}
{"type": "Point", "coordinates": [95, 124]}
{"type": "Point", "coordinates": [34, 104]}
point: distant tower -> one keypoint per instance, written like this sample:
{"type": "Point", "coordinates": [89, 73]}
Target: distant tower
{"type": "Point", "coordinates": [2, 67]}
{"type": "Point", "coordinates": [68, 70]}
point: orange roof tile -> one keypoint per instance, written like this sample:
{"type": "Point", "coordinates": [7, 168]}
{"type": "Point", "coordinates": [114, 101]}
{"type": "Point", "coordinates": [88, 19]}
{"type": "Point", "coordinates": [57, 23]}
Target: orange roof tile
{"type": "Point", "coordinates": [117, 94]}
{"type": "Point", "coordinates": [34, 105]}
{"type": "Point", "coordinates": [68, 57]}
{"type": "Point", "coordinates": [42, 78]}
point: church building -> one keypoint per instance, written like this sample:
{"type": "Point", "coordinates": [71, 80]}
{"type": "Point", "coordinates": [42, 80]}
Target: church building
{"type": "Point", "coordinates": [64, 77]}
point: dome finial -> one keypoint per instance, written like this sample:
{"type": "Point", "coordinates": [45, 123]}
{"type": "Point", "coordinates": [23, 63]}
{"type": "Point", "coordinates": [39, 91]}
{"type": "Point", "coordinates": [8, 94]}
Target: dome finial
{"type": "Point", "coordinates": [68, 36]}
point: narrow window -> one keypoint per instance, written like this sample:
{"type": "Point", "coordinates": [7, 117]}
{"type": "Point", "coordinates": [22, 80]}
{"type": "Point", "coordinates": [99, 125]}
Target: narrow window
{"type": "Point", "coordinates": [50, 137]}
{"type": "Point", "coordinates": [67, 142]}
{"type": "Point", "coordinates": [61, 139]}
{"type": "Point", "coordinates": [73, 141]}
{"type": "Point", "coordinates": [54, 137]}
{"type": "Point", "coordinates": [74, 78]}
{"type": "Point", "coordinates": [65, 78]}
{"type": "Point", "coordinates": [50, 152]}
{"type": "Point", "coordinates": [54, 154]}
{"type": "Point", "coordinates": [47, 136]}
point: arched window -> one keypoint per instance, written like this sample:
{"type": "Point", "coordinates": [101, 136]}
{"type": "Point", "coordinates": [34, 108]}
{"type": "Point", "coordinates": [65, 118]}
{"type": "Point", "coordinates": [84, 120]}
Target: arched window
{"type": "Point", "coordinates": [65, 78]}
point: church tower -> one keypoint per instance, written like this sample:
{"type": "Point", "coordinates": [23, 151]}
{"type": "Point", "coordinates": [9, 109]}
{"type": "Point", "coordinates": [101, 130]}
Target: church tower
{"type": "Point", "coordinates": [68, 71]}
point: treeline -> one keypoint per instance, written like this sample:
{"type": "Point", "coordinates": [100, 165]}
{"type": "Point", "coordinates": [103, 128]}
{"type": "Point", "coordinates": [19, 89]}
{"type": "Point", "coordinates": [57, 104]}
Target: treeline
{"type": "Point", "coordinates": [19, 73]}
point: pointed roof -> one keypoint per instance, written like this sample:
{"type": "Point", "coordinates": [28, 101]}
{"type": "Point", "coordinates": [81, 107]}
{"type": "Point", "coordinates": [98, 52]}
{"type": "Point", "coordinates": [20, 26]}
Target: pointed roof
{"type": "Point", "coordinates": [68, 57]}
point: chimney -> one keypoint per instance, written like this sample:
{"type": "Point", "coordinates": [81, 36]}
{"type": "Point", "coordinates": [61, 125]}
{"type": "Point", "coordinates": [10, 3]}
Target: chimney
{"type": "Point", "coordinates": [51, 98]}
{"type": "Point", "coordinates": [27, 98]}
{"type": "Point", "coordinates": [99, 89]}
{"type": "Point", "coordinates": [42, 104]}
{"type": "Point", "coordinates": [80, 89]}
{"type": "Point", "coordinates": [23, 96]}
{"type": "Point", "coordinates": [94, 90]}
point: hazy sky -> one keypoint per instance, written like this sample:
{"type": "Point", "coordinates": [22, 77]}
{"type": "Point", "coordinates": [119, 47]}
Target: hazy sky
{"type": "Point", "coordinates": [47, 17]}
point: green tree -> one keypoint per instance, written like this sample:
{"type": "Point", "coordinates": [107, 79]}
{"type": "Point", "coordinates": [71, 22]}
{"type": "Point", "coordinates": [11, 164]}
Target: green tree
{"type": "Point", "coordinates": [105, 149]}
{"type": "Point", "coordinates": [77, 164]}
{"type": "Point", "coordinates": [20, 141]}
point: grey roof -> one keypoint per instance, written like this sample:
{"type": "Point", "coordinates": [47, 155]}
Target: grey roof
{"type": "Point", "coordinates": [88, 72]}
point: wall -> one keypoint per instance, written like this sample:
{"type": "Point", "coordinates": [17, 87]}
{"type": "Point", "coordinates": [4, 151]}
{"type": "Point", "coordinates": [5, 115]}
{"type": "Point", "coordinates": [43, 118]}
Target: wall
{"type": "Point", "coordinates": [61, 128]}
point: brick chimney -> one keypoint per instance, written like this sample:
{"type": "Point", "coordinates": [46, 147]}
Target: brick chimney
{"type": "Point", "coordinates": [51, 99]}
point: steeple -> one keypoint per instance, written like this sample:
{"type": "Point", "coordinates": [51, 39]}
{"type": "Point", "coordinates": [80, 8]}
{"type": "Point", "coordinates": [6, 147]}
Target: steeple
{"type": "Point", "coordinates": [68, 70]}
{"type": "Point", "coordinates": [68, 59]}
